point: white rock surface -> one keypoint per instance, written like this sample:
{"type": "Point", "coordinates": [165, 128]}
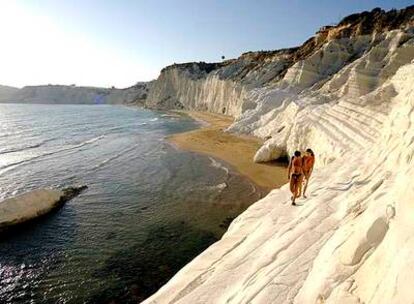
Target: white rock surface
{"type": "Point", "coordinates": [28, 206]}
{"type": "Point", "coordinates": [177, 88]}
{"type": "Point", "coordinates": [219, 87]}
{"type": "Point", "coordinates": [342, 113]}
{"type": "Point", "coordinates": [352, 240]}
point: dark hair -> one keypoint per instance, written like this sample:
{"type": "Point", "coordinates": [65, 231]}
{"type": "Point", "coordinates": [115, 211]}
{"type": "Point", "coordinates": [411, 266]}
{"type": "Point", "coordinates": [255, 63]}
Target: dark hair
{"type": "Point", "coordinates": [297, 153]}
{"type": "Point", "coordinates": [310, 151]}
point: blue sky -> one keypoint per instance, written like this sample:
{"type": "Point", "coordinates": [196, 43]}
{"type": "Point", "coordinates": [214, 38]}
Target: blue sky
{"type": "Point", "coordinates": [104, 43]}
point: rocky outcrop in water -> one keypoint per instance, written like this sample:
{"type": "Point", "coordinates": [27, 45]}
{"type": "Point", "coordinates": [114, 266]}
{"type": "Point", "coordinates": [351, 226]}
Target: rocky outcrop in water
{"type": "Point", "coordinates": [34, 204]}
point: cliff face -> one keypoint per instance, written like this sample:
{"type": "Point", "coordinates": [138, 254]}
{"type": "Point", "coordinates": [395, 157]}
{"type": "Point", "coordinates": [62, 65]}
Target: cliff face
{"type": "Point", "coordinates": [281, 93]}
{"type": "Point", "coordinates": [177, 88]}
{"type": "Point", "coordinates": [60, 94]}
{"type": "Point", "coordinates": [346, 93]}
{"type": "Point", "coordinates": [223, 87]}
{"type": "Point", "coordinates": [304, 109]}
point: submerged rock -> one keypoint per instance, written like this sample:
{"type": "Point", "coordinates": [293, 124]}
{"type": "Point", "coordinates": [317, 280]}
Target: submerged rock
{"type": "Point", "coordinates": [71, 192]}
{"type": "Point", "coordinates": [33, 204]}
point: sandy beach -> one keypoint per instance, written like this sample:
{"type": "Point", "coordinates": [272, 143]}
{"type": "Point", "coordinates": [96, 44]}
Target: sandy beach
{"type": "Point", "coordinates": [238, 151]}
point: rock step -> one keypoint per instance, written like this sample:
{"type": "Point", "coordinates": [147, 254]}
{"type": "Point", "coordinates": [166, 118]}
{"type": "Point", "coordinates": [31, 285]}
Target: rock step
{"type": "Point", "coordinates": [344, 135]}
{"type": "Point", "coordinates": [347, 129]}
{"type": "Point", "coordinates": [362, 130]}
{"type": "Point", "coordinates": [341, 141]}
{"type": "Point", "coordinates": [359, 116]}
{"type": "Point", "coordinates": [376, 115]}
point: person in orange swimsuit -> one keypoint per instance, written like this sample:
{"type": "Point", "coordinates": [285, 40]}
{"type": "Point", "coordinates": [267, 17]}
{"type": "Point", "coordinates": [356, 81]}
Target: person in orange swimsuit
{"type": "Point", "coordinates": [308, 162]}
{"type": "Point", "coordinates": [295, 175]}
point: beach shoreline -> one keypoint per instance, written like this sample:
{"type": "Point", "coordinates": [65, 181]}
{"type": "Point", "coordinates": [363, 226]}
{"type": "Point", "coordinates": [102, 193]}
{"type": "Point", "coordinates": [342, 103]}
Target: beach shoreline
{"type": "Point", "coordinates": [237, 150]}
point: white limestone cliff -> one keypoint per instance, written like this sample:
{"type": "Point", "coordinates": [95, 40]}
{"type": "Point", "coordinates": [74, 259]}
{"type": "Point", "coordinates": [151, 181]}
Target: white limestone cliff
{"type": "Point", "coordinates": [351, 241]}
{"type": "Point", "coordinates": [216, 87]}
{"type": "Point", "coordinates": [175, 89]}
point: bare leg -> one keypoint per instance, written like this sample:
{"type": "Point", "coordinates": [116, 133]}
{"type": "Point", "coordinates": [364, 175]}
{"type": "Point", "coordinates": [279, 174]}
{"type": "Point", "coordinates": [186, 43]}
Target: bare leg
{"type": "Point", "coordinates": [300, 188]}
{"type": "Point", "coordinates": [293, 188]}
{"type": "Point", "coordinates": [306, 185]}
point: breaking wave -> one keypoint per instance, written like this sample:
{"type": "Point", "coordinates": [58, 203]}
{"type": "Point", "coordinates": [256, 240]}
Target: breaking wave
{"type": "Point", "coordinates": [218, 165]}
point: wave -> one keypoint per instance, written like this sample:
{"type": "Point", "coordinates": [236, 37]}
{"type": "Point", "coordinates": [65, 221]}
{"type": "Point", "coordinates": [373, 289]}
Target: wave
{"type": "Point", "coordinates": [10, 166]}
{"type": "Point", "coordinates": [118, 155]}
{"type": "Point", "coordinates": [218, 165]}
{"type": "Point", "coordinates": [154, 119]}
{"type": "Point", "coordinates": [116, 128]}
{"type": "Point", "coordinates": [22, 148]}
{"type": "Point", "coordinates": [87, 142]}
{"type": "Point", "coordinates": [219, 187]}
{"type": "Point", "coordinates": [253, 191]}
{"type": "Point", "coordinates": [170, 116]}
{"type": "Point", "coordinates": [13, 133]}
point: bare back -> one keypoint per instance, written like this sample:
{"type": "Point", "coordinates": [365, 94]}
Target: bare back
{"type": "Point", "coordinates": [297, 163]}
{"type": "Point", "coordinates": [308, 162]}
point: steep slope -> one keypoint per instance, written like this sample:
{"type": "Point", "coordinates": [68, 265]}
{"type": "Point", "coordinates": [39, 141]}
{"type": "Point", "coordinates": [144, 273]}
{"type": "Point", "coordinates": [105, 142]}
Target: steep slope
{"type": "Point", "coordinates": [317, 116]}
{"type": "Point", "coordinates": [60, 94]}
{"type": "Point", "coordinates": [351, 99]}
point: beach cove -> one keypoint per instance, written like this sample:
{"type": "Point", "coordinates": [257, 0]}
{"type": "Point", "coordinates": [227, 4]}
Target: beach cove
{"type": "Point", "coordinates": [236, 150]}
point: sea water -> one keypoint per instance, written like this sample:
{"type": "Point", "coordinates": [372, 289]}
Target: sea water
{"type": "Point", "coordinates": [149, 209]}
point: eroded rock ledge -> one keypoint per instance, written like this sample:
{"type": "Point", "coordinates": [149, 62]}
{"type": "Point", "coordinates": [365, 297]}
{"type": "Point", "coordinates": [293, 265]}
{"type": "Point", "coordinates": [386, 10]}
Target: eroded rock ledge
{"type": "Point", "coordinates": [34, 204]}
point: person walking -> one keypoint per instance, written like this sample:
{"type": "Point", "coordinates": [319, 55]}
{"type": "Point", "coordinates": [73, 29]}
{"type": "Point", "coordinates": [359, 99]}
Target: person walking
{"type": "Point", "coordinates": [308, 163]}
{"type": "Point", "coordinates": [295, 175]}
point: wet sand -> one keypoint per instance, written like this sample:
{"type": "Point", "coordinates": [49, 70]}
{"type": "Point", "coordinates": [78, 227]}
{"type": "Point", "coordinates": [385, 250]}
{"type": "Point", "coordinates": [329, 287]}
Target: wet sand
{"type": "Point", "coordinates": [236, 150]}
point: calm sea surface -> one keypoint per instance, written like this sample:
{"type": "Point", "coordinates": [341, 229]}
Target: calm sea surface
{"type": "Point", "coordinates": [149, 209]}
